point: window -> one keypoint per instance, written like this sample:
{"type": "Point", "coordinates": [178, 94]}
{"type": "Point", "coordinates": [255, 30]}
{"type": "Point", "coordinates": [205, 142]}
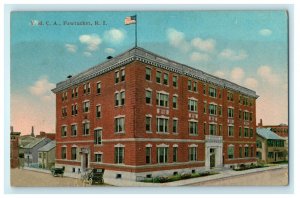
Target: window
{"type": "Point", "coordinates": [212, 109]}
{"type": "Point", "coordinates": [270, 155]}
{"type": "Point", "coordinates": [258, 144]}
{"type": "Point", "coordinates": [189, 85]}
{"type": "Point", "coordinates": [240, 131]}
{"type": "Point", "coordinates": [76, 92]}
{"type": "Point", "coordinates": [175, 126]}
{"type": "Point", "coordinates": [230, 131]}
{"type": "Point", "coordinates": [204, 107]}
{"type": "Point", "coordinates": [148, 74]}
{"type": "Point", "coordinates": [240, 152]}
{"type": "Point", "coordinates": [230, 152]}
{"type": "Point", "coordinates": [162, 125]}
{"type": "Point", "coordinates": [175, 154]}
{"type": "Point", "coordinates": [192, 105]}
{"type": "Point", "coordinates": [192, 153]}
{"type": "Point", "coordinates": [220, 110]}
{"type": "Point", "coordinates": [148, 124]}
{"type": "Point", "coordinates": [162, 100]}
{"type": "Point", "coordinates": [229, 96]}
{"type": "Point", "coordinates": [230, 112]}
{"type": "Point", "coordinates": [73, 92]}
{"type": "Point", "coordinates": [84, 88]}
{"type": "Point", "coordinates": [212, 92]}
{"type": "Point", "coordinates": [251, 132]}
{"type": "Point", "coordinates": [220, 130]}
{"type": "Point", "coordinates": [73, 153]}
{"type": "Point", "coordinates": [86, 106]}
{"type": "Point", "coordinates": [120, 125]}
{"type": "Point", "coordinates": [89, 88]}
{"type": "Point", "coordinates": [117, 75]}
{"type": "Point", "coordinates": [246, 116]}
{"type": "Point", "coordinates": [212, 129]}
{"type": "Point", "coordinates": [98, 111]}
{"type": "Point", "coordinates": [64, 96]}
{"type": "Point", "coordinates": [158, 76]}
{"type": "Point", "coordinates": [122, 97]}
{"type": "Point", "coordinates": [175, 81]}
{"type": "Point", "coordinates": [175, 102]}
{"type": "Point", "coordinates": [119, 155]}
{"type": "Point", "coordinates": [98, 157]}
{"type": "Point", "coordinates": [64, 112]}
{"type": "Point", "coordinates": [64, 131]}
{"type": "Point", "coordinates": [122, 75]}
{"type": "Point", "coordinates": [204, 90]}
{"type": "Point", "coordinates": [193, 128]}
{"type": "Point", "coordinates": [117, 99]}
{"type": "Point", "coordinates": [162, 155]}
{"type": "Point", "coordinates": [63, 153]}
{"type": "Point", "coordinates": [98, 136]}
{"type": "Point", "coordinates": [98, 87]}
{"type": "Point", "coordinates": [148, 155]}
{"type": "Point", "coordinates": [86, 128]}
{"type": "Point", "coordinates": [246, 151]}
{"type": "Point", "coordinates": [74, 109]}
{"type": "Point", "coordinates": [148, 97]}
{"type": "Point", "coordinates": [74, 130]}
{"type": "Point", "coordinates": [246, 132]}
{"type": "Point", "coordinates": [166, 79]}
{"type": "Point", "coordinates": [195, 87]}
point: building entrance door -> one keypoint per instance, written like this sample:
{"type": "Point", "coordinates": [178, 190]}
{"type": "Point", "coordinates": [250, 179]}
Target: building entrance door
{"type": "Point", "coordinates": [275, 155]}
{"type": "Point", "coordinates": [212, 158]}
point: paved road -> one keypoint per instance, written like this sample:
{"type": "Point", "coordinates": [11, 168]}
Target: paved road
{"type": "Point", "coordinates": [276, 177]}
{"type": "Point", "coordinates": [27, 178]}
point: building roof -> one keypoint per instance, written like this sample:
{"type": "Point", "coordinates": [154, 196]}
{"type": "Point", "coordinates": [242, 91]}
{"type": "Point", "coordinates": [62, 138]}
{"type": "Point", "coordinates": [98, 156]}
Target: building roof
{"type": "Point", "coordinates": [33, 143]}
{"type": "Point", "coordinates": [266, 133]}
{"type": "Point", "coordinates": [48, 146]}
{"type": "Point", "coordinates": [25, 139]}
{"type": "Point", "coordinates": [142, 55]}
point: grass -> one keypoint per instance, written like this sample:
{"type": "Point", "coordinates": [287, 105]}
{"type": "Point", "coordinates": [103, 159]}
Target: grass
{"type": "Point", "coordinates": [282, 162]}
{"type": "Point", "coordinates": [247, 167]}
{"type": "Point", "coordinates": [177, 177]}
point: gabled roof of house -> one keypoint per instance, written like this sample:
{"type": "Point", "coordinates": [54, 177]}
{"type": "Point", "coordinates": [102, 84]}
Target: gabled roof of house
{"type": "Point", "coordinates": [33, 143]}
{"type": "Point", "coordinates": [48, 146]}
{"type": "Point", "coordinates": [266, 133]}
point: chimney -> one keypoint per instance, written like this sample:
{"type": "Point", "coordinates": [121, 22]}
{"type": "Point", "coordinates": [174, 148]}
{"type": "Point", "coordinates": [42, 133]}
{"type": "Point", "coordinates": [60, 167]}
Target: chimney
{"type": "Point", "coordinates": [32, 131]}
{"type": "Point", "coordinates": [11, 129]}
{"type": "Point", "coordinates": [260, 124]}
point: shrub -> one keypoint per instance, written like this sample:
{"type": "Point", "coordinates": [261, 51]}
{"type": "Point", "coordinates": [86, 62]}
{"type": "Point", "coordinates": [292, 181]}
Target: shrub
{"type": "Point", "coordinates": [160, 179]}
{"type": "Point", "coordinates": [185, 175]}
{"type": "Point", "coordinates": [206, 173]}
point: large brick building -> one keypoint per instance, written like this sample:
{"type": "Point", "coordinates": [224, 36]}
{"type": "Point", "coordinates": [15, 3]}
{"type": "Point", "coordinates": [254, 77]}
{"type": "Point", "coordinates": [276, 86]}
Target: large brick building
{"type": "Point", "coordinates": [140, 114]}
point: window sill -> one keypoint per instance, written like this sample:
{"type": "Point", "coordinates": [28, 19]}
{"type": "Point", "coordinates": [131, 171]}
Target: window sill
{"type": "Point", "coordinates": [86, 135]}
{"type": "Point", "coordinates": [163, 133]}
{"type": "Point", "coordinates": [193, 135]}
{"type": "Point", "coordinates": [73, 135]}
{"type": "Point", "coordinates": [98, 145]}
{"type": "Point", "coordinates": [149, 132]}
{"type": "Point", "coordinates": [123, 132]}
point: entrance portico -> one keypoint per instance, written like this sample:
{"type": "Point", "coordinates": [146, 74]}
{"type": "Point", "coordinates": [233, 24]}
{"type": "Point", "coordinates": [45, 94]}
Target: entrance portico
{"type": "Point", "coordinates": [213, 151]}
{"type": "Point", "coordinates": [85, 158]}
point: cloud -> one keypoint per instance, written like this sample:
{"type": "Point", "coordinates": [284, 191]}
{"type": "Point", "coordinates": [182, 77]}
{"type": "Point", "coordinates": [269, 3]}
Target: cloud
{"type": "Point", "coordinates": [42, 88]}
{"type": "Point", "coordinates": [109, 50]}
{"type": "Point", "coordinates": [114, 35]}
{"type": "Point", "coordinates": [71, 48]}
{"type": "Point", "coordinates": [196, 57]}
{"type": "Point", "coordinates": [177, 39]}
{"type": "Point", "coordinates": [251, 83]}
{"type": "Point", "coordinates": [88, 54]}
{"type": "Point", "coordinates": [207, 45]}
{"type": "Point", "coordinates": [233, 55]}
{"type": "Point", "coordinates": [265, 32]}
{"type": "Point", "coordinates": [92, 41]}
{"type": "Point", "coordinates": [237, 74]}
{"type": "Point", "coordinates": [266, 73]}
{"type": "Point", "coordinates": [219, 74]}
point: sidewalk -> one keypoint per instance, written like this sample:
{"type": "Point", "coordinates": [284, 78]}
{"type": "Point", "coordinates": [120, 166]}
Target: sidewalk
{"type": "Point", "coordinates": [222, 174]}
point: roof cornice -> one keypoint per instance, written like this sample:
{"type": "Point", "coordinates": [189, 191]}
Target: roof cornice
{"type": "Point", "coordinates": [142, 55]}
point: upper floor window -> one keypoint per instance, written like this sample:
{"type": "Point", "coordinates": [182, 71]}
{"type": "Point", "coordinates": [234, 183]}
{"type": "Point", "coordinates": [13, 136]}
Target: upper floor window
{"type": "Point", "coordinates": [175, 81]}
{"type": "Point", "coordinates": [195, 87]}
{"type": "Point", "coordinates": [74, 109]}
{"type": "Point", "coordinates": [148, 74]}
{"type": "Point", "coordinates": [98, 111]}
{"type": "Point", "coordinates": [162, 125]}
{"type": "Point", "coordinates": [120, 125]}
{"type": "Point", "coordinates": [192, 105]}
{"type": "Point", "coordinates": [86, 106]}
{"type": "Point", "coordinates": [192, 153]}
{"type": "Point", "coordinates": [162, 99]}
{"type": "Point", "coordinates": [175, 126]}
{"type": "Point", "coordinates": [148, 124]}
{"type": "Point", "coordinates": [175, 98]}
{"type": "Point", "coordinates": [64, 112]}
{"type": "Point", "coordinates": [230, 112]}
{"type": "Point", "coordinates": [74, 130]}
{"type": "Point", "coordinates": [73, 153]}
{"type": "Point", "coordinates": [75, 92]}
{"type": "Point", "coordinates": [212, 129]}
{"type": "Point", "coordinates": [230, 131]}
{"type": "Point", "coordinates": [166, 79]}
{"type": "Point", "coordinates": [246, 151]}
{"type": "Point", "coordinates": [230, 152]}
{"type": "Point", "coordinates": [117, 76]}
{"type": "Point", "coordinates": [120, 98]}
{"type": "Point", "coordinates": [220, 110]}
{"type": "Point", "coordinates": [212, 109]}
{"type": "Point", "coordinates": [246, 116]}
{"type": "Point", "coordinates": [193, 128]}
{"type": "Point", "coordinates": [175, 154]}
{"type": "Point", "coordinates": [246, 132]}
{"type": "Point", "coordinates": [189, 85]}
{"type": "Point", "coordinates": [212, 92]}
{"type": "Point", "coordinates": [122, 75]}
{"type": "Point", "coordinates": [63, 153]}
{"type": "Point", "coordinates": [86, 128]}
{"type": "Point", "coordinates": [64, 131]}
{"type": "Point", "coordinates": [98, 136]}
{"type": "Point", "coordinates": [148, 97]}
{"type": "Point", "coordinates": [98, 87]}
{"type": "Point", "coordinates": [158, 76]}
{"type": "Point", "coordinates": [229, 96]}
{"type": "Point", "coordinates": [64, 96]}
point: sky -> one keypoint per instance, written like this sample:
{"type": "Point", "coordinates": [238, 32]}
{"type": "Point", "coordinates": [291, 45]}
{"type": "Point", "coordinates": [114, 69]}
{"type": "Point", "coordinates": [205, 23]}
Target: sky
{"type": "Point", "coordinates": [249, 48]}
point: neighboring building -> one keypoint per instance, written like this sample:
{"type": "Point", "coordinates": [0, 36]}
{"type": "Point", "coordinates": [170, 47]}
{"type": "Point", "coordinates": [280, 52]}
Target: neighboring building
{"type": "Point", "coordinates": [43, 134]}
{"type": "Point", "coordinates": [270, 146]}
{"type": "Point", "coordinates": [46, 155]}
{"type": "Point", "coordinates": [14, 148]}
{"type": "Point", "coordinates": [23, 141]}
{"type": "Point", "coordinates": [282, 130]}
{"type": "Point", "coordinates": [140, 114]}
{"type": "Point", "coordinates": [31, 151]}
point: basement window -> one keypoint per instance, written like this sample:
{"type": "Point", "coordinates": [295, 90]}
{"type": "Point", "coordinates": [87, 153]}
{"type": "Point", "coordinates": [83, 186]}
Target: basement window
{"type": "Point", "coordinates": [118, 176]}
